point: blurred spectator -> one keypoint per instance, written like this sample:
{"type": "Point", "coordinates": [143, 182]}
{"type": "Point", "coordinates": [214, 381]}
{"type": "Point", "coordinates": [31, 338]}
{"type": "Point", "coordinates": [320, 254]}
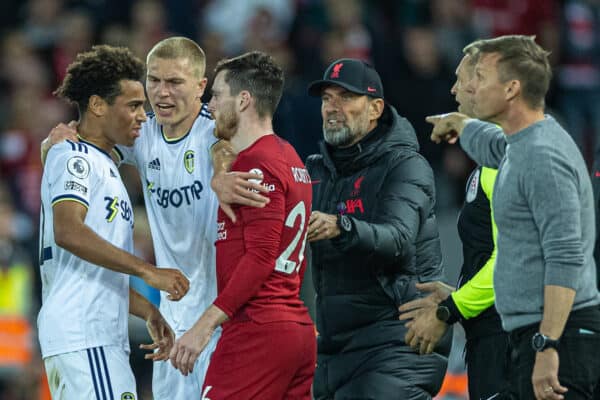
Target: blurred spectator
{"type": "Point", "coordinates": [115, 35]}
{"type": "Point", "coordinates": [450, 21]}
{"type": "Point", "coordinates": [297, 116]}
{"type": "Point", "coordinates": [148, 26]}
{"type": "Point", "coordinates": [16, 268]}
{"type": "Point", "coordinates": [214, 47]}
{"type": "Point", "coordinates": [420, 86]}
{"type": "Point", "coordinates": [306, 36]}
{"type": "Point", "coordinates": [104, 12]}
{"type": "Point", "coordinates": [412, 13]}
{"type": "Point", "coordinates": [182, 17]}
{"type": "Point", "coordinates": [76, 35]}
{"type": "Point", "coordinates": [27, 79]}
{"type": "Point", "coordinates": [20, 65]}
{"type": "Point", "coordinates": [578, 73]}
{"type": "Point", "coordinates": [345, 19]}
{"type": "Point", "coordinates": [231, 18]}
{"type": "Point", "coordinates": [17, 306]}
{"type": "Point", "coordinates": [414, 44]}
{"type": "Point", "coordinates": [524, 17]}
{"type": "Point", "coordinates": [42, 23]}
{"type": "Point", "coordinates": [19, 145]}
{"type": "Point", "coordinates": [263, 31]}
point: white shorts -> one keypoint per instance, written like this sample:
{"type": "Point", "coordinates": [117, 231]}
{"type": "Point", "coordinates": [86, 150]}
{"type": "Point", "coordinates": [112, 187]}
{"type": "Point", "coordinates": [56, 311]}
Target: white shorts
{"type": "Point", "coordinates": [97, 373]}
{"type": "Point", "coordinates": [169, 384]}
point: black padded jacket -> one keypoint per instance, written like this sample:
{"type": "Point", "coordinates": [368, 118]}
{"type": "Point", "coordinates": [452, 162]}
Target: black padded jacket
{"type": "Point", "coordinates": [386, 188]}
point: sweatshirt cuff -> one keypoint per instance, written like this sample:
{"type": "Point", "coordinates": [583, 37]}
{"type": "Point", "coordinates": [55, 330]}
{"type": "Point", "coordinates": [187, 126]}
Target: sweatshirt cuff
{"type": "Point", "coordinates": [562, 275]}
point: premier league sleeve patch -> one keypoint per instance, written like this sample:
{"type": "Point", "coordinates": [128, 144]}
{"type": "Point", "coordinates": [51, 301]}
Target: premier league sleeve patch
{"type": "Point", "coordinates": [78, 167]}
{"type": "Point", "coordinates": [76, 187]}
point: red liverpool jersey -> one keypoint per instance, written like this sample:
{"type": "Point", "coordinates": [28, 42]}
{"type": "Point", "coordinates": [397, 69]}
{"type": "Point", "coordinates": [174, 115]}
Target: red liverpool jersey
{"type": "Point", "coordinates": [260, 258]}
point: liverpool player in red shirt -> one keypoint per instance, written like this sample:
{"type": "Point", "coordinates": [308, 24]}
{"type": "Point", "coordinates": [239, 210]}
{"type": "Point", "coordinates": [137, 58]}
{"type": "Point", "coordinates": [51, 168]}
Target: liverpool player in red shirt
{"type": "Point", "coordinates": [267, 349]}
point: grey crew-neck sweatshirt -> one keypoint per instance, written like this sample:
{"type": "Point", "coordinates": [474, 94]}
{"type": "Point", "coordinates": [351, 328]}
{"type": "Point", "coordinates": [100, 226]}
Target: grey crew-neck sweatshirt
{"type": "Point", "coordinates": [543, 207]}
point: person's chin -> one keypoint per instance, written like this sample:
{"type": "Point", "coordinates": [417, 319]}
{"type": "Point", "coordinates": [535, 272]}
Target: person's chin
{"type": "Point", "coordinates": [128, 141]}
{"type": "Point", "coordinates": [165, 117]}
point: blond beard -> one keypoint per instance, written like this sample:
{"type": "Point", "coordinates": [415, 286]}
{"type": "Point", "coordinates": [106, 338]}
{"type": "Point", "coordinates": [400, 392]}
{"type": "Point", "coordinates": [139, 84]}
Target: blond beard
{"type": "Point", "coordinates": [226, 126]}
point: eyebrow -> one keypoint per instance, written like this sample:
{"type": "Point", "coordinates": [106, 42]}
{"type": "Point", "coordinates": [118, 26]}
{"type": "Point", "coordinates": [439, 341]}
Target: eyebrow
{"type": "Point", "coordinates": [135, 102]}
{"type": "Point", "coordinates": [170, 78]}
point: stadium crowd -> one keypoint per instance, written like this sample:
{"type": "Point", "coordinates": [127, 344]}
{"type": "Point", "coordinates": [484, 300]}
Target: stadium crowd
{"type": "Point", "coordinates": [415, 45]}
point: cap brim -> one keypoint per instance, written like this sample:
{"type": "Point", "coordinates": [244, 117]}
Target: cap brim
{"type": "Point", "coordinates": [316, 88]}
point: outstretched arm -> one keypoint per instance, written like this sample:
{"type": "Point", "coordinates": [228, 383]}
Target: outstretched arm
{"type": "Point", "coordinates": [483, 141]}
{"type": "Point", "coordinates": [72, 234]}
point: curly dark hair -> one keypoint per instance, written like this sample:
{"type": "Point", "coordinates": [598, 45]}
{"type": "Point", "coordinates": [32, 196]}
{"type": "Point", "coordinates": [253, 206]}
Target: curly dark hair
{"type": "Point", "coordinates": [98, 72]}
{"type": "Point", "coordinates": [257, 73]}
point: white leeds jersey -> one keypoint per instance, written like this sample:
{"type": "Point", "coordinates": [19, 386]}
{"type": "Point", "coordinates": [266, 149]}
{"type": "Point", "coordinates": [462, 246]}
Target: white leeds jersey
{"type": "Point", "coordinates": [83, 305]}
{"type": "Point", "coordinates": [182, 210]}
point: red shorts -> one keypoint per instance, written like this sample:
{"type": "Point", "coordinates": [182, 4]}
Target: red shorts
{"type": "Point", "coordinates": [270, 361]}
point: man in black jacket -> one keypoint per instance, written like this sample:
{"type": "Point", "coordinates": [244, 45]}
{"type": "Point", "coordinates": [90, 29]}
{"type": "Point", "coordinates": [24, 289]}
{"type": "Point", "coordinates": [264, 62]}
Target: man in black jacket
{"type": "Point", "coordinates": [373, 236]}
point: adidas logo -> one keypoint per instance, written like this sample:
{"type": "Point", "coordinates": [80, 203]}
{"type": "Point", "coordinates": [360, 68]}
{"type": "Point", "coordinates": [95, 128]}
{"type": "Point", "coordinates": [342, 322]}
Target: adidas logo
{"type": "Point", "coordinates": [154, 164]}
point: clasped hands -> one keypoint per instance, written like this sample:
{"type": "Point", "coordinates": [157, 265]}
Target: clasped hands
{"type": "Point", "coordinates": [424, 329]}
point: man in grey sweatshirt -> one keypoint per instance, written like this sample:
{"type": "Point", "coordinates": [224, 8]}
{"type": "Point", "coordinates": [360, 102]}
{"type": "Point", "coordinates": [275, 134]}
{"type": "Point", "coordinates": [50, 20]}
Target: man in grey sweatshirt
{"type": "Point", "coordinates": [545, 276]}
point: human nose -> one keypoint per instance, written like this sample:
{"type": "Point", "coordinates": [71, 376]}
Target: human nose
{"type": "Point", "coordinates": [470, 86]}
{"type": "Point", "coordinates": [141, 115]}
{"type": "Point", "coordinates": [162, 88]}
{"type": "Point", "coordinates": [331, 105]}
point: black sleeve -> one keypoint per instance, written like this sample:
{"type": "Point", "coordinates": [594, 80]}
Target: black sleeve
{"type": "Point", "coordinates": [406, 199]}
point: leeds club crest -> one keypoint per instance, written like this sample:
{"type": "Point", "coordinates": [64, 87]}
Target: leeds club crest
{"type": "Point", "coordinates": [188, 161]}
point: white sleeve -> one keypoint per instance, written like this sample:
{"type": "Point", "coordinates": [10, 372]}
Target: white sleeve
{"type": "Point", "coordinates": [69, 172]}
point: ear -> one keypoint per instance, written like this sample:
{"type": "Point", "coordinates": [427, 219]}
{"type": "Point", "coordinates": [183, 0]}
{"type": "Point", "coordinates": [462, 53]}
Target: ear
{"type": "Point", "coordinates": [97, 105]}
{"type": "Point", "coordinates": [244, 99]}
{"type": "Point", "coordinates": [512, 89]}
{"type": "Point", "coordinates": [376, 107]}
{"type": "Point", "coordinates": [201, 87]}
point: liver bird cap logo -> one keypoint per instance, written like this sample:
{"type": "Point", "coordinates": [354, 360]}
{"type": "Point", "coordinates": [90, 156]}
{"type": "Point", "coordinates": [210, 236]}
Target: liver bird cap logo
{"type": "Point", "coordinates": [336, 70]}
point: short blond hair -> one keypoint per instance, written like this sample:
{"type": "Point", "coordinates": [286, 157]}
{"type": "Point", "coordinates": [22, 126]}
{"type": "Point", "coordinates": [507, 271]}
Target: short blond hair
{"type": "Point", "coordinates": [521, 58]}
{"type": "Point", "coordinates": [180, 47]}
